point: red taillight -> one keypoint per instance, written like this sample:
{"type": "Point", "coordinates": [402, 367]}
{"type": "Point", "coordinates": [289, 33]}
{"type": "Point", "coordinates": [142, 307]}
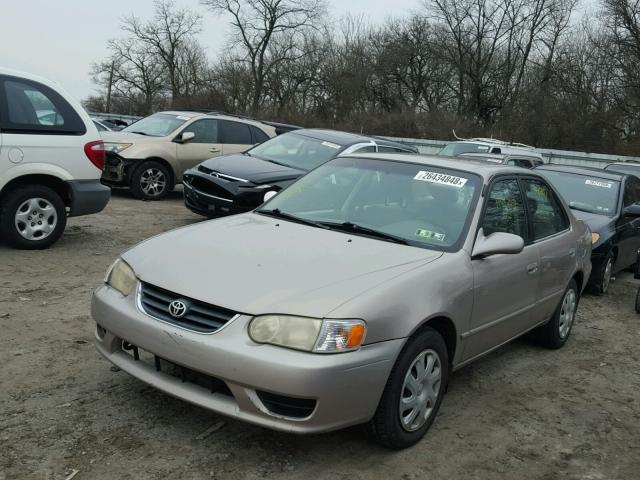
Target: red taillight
{"type": "Point", "coordinates": [95, 152]}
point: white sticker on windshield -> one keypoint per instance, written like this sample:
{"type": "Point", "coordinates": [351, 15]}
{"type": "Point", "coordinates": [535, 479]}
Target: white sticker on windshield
{"type": "Point", "coordinates": [180, 117]}
{"type": "Point", "coordinates": [596, 183]}
{"type": "Point", "coordinates": [331, 145]}
{"type": "Point", "coordinates": [441, 178]}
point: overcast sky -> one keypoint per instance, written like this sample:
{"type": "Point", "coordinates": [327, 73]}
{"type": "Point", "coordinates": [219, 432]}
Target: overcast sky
{"type": "Point", "coordinates": [59, 39]}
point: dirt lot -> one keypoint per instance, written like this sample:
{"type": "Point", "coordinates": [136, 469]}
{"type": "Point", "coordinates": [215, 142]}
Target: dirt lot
{"type": "Point", "coordinates": [522, 412]}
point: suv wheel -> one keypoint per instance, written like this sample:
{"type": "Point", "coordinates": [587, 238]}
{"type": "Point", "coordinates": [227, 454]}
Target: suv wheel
{"type": "Point", "coordinates": [151, 181]}
{"type": "Point", "coordinates": [413, 393]}
{"type": "Point", "coordinates": [32, 217]}
{"type": "Point", "coordinates": [555, 332]}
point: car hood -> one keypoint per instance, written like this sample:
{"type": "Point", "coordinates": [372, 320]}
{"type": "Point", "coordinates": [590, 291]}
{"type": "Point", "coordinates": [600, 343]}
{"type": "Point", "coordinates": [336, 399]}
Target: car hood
{"type": "Point", "coordinates": [251, 168]}
{"type": "Point", "coordinates": [128, 137]}
{"type": "Point", "coordinates": [597, 223]}
{"type": "Point", "coordinates": [255, 264]}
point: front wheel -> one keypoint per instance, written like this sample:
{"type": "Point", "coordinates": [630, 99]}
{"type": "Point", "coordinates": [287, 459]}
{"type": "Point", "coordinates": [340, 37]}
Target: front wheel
{"type": "Point", "coordinates": [32, 217]}
{"type": "Point", "coordinates": [554, 334]}
{"type": "Point", "coordinates": [413, 393]}
{"type": "Point", "coordinates": [151, 181]}
{"type": "Point", "coordinates": [602, 279]}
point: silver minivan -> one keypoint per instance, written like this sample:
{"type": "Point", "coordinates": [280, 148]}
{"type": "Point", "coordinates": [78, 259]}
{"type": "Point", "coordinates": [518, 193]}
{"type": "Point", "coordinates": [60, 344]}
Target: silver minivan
{"type": "Point", "coordinates": [350, 296]}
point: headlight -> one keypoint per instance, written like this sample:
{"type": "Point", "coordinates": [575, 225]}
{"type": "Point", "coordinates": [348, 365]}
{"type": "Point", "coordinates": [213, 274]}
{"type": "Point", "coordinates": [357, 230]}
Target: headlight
{"type": "Point", "coordinates": [121, 277]}
{"type": "Point", "coordinates": [594, 238]}
{"type": "Point", "coordinates": [309, 334]}
{"type": "Point", "coordinates": [116, 147]}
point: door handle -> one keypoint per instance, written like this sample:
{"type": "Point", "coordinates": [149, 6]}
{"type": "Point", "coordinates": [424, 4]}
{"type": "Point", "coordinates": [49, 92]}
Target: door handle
{"type": "Point", "coordinates": [532, 268]}
{"type": "Point", "coordinates": [214, 150]}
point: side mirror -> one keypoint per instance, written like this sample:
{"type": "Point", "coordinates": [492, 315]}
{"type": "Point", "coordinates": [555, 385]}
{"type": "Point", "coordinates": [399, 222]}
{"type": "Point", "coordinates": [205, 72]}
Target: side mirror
{"type": "Point", "coordinates": [496, 243]}
{"type": "Point", "coordinates": [632, 210]}
{"type": "Point", "coordinates": [269, 195]}
{"type": "Point", "coordinates": [184, 137]}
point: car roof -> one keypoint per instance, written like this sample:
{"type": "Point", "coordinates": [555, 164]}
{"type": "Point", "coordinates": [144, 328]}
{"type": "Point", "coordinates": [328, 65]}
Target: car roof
{"type": "Point", "coordinates": [346, 139]}
{"type": "Point", "coordinates": [486, 170]}
{"type": "Point", "coordinates": [590, 171]}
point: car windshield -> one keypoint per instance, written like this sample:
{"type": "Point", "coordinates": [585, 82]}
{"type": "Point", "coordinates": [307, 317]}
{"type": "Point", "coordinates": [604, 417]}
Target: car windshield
{"type": "Point", "coordinates": [420, 205]}
{"type": "Point", "coordinates": [296, 151]}
{"type": "Point", "coordinates": [157, 125]}
{"type": "Point", "coordinates": [586, 193]}
{"type": "Point", "coordinates": [458, 148]}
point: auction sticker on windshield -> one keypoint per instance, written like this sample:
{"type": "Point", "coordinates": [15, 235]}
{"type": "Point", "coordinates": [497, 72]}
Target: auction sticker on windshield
{"type": "Point", "coordinates": [441, 178]}
{"type": "Point", "coordinates": [597, 183]}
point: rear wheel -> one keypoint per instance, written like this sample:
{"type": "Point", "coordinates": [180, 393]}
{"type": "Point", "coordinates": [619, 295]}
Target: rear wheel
{"type": "Point", "coordinates": [413, 393]}
{"type": "Point", "coordinates": [32, 217]}
{"type": "Point", "coordinates": [151, 181]}
{"type": "Point", "coordinates": [554, 334]}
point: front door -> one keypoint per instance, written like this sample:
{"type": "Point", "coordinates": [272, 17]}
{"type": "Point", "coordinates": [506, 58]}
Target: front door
{"type": "Point", "coordinates": [628, 227]}
{"type": "Point", "coordinates": [504, 285]}
{"type": "Point", "coordinates": [204, 145]}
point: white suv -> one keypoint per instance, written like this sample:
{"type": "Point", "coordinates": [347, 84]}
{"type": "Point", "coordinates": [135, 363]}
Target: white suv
{"type": "Point", "coordinates": [51, 160]}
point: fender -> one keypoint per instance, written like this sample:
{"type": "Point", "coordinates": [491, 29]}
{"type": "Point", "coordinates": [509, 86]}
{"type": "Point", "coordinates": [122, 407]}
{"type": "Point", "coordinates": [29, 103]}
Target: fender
{"type": "Point", "coordinates": [22, 170]}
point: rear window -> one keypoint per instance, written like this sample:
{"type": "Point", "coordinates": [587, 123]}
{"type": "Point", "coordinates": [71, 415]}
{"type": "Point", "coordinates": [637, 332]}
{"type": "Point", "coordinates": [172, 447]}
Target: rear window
{"type": "Point", "coordinates": [258, 135]}
{"type": "Point", "coordinates": [31, 107]}
{"type": "Point", "coordinates": [236, 133]}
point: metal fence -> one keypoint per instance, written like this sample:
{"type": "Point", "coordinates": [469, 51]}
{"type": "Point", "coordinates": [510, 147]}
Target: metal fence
{"type": "Point", "coordinates": [563, 157]}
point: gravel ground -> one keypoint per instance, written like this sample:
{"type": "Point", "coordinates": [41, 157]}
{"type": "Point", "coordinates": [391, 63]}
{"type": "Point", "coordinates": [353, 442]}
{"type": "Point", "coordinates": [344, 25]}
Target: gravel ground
{"type": "Point", "coordinates": [521, 412]}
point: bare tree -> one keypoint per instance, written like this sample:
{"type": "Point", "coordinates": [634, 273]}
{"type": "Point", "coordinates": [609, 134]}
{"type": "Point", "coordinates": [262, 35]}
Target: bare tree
{"type": "Point", "coordinates": [166, 36]}
{"type": "Point", "coordinates": [260, 23]}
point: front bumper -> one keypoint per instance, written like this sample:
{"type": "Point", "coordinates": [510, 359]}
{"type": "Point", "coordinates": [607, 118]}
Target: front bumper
{"type": "Point", "coordinates": [87, 197]}
{"type": "Point", "coordinates": [209, 195]}
{"type": "Point", "coordinates": [346, 387]}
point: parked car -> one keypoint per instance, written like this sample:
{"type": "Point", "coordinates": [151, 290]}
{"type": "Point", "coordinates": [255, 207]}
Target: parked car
{"type": "Point", "coordinates": [609, 202]}
{"type": "Point", "coordinates": [517, 160]}
{"type": "Point", "coordinates": [632, 168]}
{"type": "Point", "coordinates": [350, 296]}
{"type": "Point", "coordinates": [238, 183]}
{"type": "Point", "coordinates": [101, 125]}
{"type": "Point", "coordinates": [51, 159]}
{"type": "Point", "coordinates": [491, 148]}
{"type": "Point", "coordinates": [151, 155]}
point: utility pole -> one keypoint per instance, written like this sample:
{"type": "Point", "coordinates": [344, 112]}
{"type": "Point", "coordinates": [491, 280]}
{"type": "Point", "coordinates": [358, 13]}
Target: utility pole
{"type": "Point", "coordinates": [109, 87]}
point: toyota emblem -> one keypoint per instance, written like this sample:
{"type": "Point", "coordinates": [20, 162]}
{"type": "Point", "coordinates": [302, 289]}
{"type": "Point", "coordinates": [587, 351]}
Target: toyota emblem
{"type": "Point", "coordinates": [177, 308]}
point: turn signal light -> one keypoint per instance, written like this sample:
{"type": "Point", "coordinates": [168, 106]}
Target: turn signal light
{"type": "Point", "coordinates": [594, 238]}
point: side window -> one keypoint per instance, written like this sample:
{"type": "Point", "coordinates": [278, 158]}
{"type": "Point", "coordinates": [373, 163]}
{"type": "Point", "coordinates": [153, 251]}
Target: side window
{"type": "Point", "coordinates": [519, 162]}
{"type": "Point", "coordinates": [258, 136]}
{"type": "Point", "coordinates": [545, 212]}
{"type": "Point", "coordinates": [30, 107]}
{"type": "Point", "coordinates": [235, 133]}
{"type": "Point", "coordinates": [206, 131]}
{"type": "Point", "coordinates": [504, 210]}
{"type": "Point", "coordinates": [631, 191]}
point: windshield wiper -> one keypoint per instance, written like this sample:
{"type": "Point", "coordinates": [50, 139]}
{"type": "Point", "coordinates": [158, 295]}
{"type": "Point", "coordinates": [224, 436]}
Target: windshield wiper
{"type": "Point", "coordinates": [581, 209]}
{"type": "Point", "coordinates": [141, 133]}
{"type": "Point", "coordinates": [277, 213]}
{"type": "Point", "coordinates": [355, 228]}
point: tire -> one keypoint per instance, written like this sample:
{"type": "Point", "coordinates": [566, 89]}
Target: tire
{"type": "Point", "coordinates": [601, 281]}
{"type": "Point", "coordinates": [32, 217]}
{"type": "Point", "coordinates": [386, 426]}
{"type": "Point", "coordinates": [555, 333]}
{"type": "Point", "coordinates": [151, 180]}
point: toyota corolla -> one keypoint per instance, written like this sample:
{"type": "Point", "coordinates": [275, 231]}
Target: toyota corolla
{"type": "Point", "coordinates": [350, 296]}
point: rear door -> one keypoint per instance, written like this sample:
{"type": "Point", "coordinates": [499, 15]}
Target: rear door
{"type": "Point", "coordinates": [504, 285]}
{"type": "Point", "coordinates": [628, 227]}
{"type": "Point", "coordinates": [236, 137]}
{"type": "Point", "coordinates": [549, 232]}
{"type": "Point", "coordinates": [203, 146]}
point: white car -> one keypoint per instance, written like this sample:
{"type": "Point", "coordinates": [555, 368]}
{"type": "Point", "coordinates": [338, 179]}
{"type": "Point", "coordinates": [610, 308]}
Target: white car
{"type": "Point", "coordinates": [51, 160]}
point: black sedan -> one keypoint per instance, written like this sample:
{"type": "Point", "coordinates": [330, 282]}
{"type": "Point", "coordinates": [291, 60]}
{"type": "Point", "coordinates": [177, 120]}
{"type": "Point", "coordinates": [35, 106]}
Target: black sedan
{"type": "Point", "coordinates": [609, 202]}
{"type": "Point", "coordinates": [238, 183]}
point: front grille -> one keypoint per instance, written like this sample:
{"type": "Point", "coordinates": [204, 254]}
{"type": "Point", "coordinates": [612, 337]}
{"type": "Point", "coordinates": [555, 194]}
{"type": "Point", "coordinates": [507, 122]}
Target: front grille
{"type": "Point", "coordinates": [287, 406]}
{"type": "Point", "coordinates": [200, 317]}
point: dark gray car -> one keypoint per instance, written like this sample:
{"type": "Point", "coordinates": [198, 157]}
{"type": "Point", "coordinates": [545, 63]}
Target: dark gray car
{"type": "Point", "coordinates": [350, 296]}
